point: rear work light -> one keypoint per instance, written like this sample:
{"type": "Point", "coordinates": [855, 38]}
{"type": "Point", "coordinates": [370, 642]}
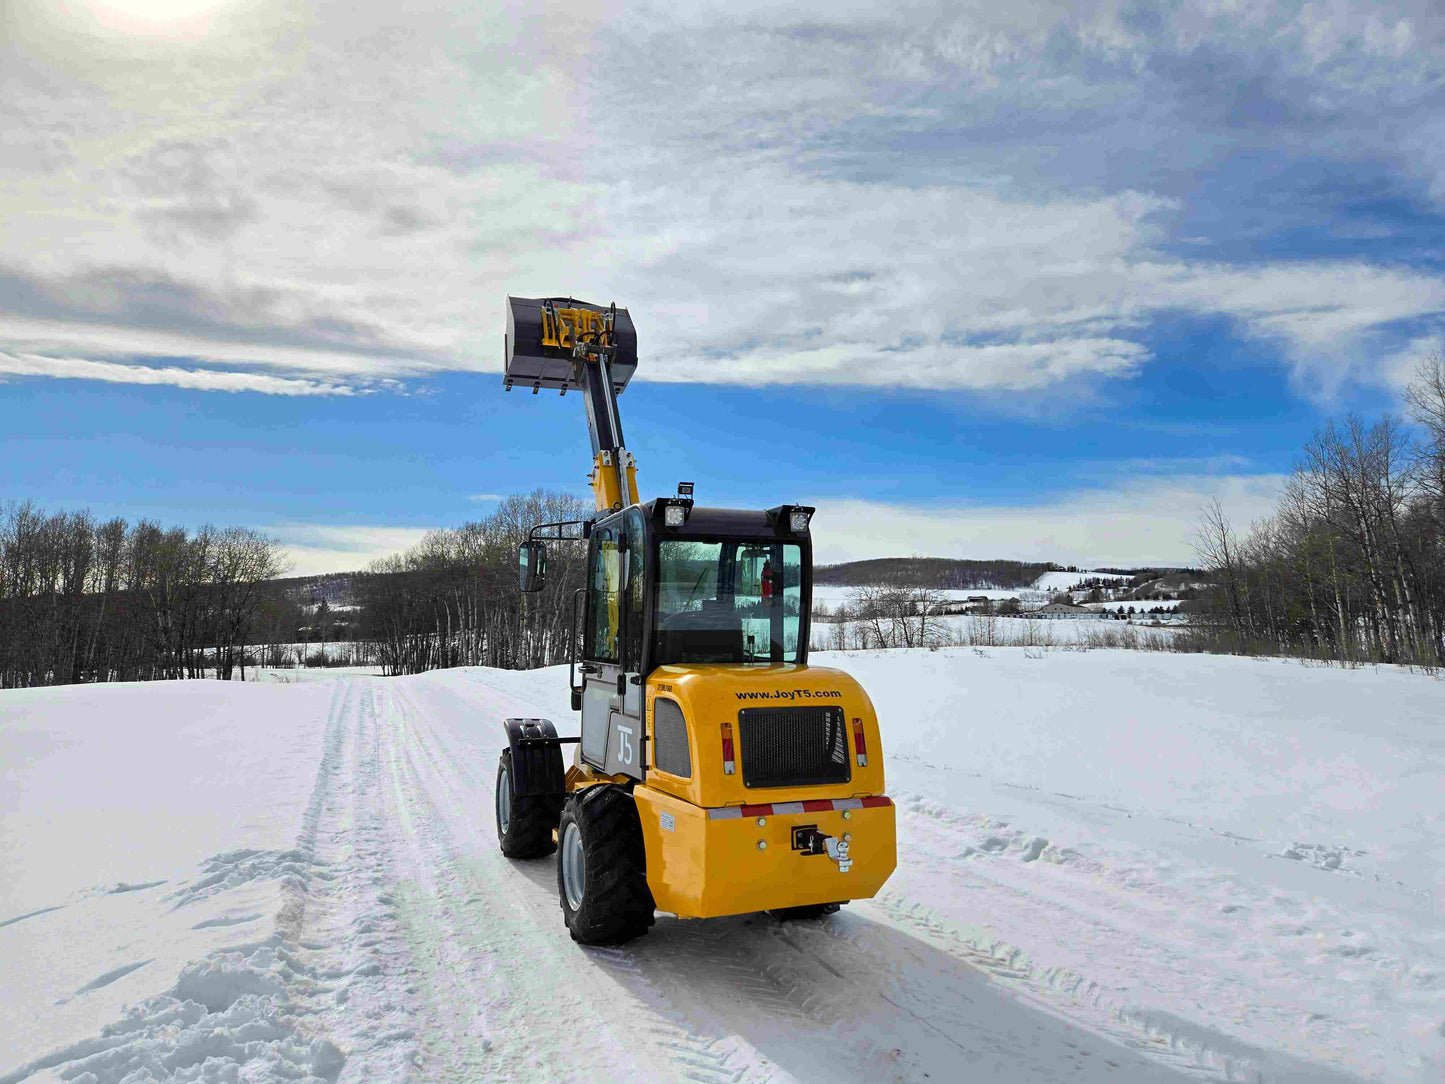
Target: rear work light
{"type": "Point", "coordinates": [674, 515]}
{"type": "Point", "coordinates": [798, 522]}
{"type": "Point", "coordinates": [730, 762]}
{"type": "Point", "coordinates": [859, 746]}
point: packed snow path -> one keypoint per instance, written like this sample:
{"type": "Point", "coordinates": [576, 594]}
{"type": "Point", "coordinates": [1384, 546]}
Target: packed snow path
{"type": "Point", "coordinates": [1030, 934]}
{"type": "Point", "coordinates": [459, 967]}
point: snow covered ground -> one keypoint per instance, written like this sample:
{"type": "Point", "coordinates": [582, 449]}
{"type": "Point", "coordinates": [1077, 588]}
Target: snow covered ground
{"type": "Point", "coordinates": [973, 630]}
{"type": "Point", "coordinates": [1113, 866]}
{"type": "Point", "coordinates": [1050, 583]}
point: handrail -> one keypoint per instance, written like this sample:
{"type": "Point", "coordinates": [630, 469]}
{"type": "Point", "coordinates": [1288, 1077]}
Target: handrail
{"type": "Point", "coordinates": [572, 645]}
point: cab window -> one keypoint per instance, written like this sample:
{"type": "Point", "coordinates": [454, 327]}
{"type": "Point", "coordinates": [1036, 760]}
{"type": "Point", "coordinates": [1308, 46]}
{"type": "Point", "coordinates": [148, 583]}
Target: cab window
{"type": "Point", "coordinates": [727, 601]}
{"type": "Point", "coordinates": [636, 585]}
{"type": "Point", "coordinates": [604, 577]}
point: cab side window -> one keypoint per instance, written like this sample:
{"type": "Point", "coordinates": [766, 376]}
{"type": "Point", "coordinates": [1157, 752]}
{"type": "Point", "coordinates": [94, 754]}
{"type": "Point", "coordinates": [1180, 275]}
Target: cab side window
{"type": "Point", "coordinates": [604, 596]}
{"type": "Point", "coordinates": [636, 581]}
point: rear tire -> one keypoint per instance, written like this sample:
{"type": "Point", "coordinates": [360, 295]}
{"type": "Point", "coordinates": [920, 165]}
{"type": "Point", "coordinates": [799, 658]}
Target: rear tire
{"type": "Point", "coordinates": [524, 822]}
{"type": "Point", "coordinates": [602, 867]}
{"type": "Point", "coordinates": [811, 910]}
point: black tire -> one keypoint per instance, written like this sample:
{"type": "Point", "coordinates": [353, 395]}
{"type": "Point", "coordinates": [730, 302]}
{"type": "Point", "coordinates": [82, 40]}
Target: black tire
{"type": "Point", "coordinates": [810, 910]}
{"type": "Point", "coordinates": [613, 903]}
{"type": "Point", "coordinates": [529, 818]}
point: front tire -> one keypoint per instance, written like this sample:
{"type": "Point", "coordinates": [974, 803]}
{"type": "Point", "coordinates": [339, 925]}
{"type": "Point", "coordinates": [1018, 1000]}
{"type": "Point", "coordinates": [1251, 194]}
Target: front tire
{"type": "Point", "coordinates": [602, 867]}
{"type": "Point", "coordinates": [524, 822]}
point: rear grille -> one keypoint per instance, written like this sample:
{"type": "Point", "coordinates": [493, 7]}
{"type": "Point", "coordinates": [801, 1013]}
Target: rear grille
{"type": "Point", "coordinates": [670, 751]}
{"type": "Point", "coordinates": [793, 747]}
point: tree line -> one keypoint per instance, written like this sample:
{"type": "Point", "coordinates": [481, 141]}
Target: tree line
{"type": "Point", "coordinates": [1351, 565]}
{"type": "Point", "coordinates": [84, 600]}
{"type": "Point", "coordinates": [938, 573]}
{"type": "Point", "coordinates": [453, 599]}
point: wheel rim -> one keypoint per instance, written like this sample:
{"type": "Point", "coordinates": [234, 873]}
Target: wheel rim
{"type": "Point", "coordinates": [574, 867]}
{"type": "Point", "coordinates": [504, 800]}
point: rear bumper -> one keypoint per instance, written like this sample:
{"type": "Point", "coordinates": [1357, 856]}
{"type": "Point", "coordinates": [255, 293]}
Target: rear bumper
{"type": "Point", "coordinates": [702, 863]}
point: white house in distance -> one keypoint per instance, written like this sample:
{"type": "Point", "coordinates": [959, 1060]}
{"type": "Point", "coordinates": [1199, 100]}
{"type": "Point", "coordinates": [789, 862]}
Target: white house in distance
{"type": "Point", "coordinates": [1061, 609]}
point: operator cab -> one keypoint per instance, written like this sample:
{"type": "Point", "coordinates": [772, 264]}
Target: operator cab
{"type": "Point", "coordinates": [670, 583]}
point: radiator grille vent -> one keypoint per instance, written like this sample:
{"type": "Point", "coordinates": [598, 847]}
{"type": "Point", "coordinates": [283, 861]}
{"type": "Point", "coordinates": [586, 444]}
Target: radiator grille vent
{"type": "Point", "coordinates": [793, 747]}
{"type": "Point", "coordinates": [669, 739]}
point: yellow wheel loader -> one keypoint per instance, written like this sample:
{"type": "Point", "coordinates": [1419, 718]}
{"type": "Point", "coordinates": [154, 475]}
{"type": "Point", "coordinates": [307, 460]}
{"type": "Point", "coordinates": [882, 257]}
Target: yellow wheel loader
{"type": "Point", "coordinates": [716, 772]}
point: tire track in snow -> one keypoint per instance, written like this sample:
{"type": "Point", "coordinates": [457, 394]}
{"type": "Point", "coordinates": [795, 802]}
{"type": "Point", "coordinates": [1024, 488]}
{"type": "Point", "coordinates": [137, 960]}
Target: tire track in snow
{"type": "Point", "coordinates": [740, 995]}
{"type": "Point", "coordinates": [491, 1010]}
{"type": "Point", "coordinates": [1071, 994]}
{"type": "Point", "coordinates": [707, 1058]}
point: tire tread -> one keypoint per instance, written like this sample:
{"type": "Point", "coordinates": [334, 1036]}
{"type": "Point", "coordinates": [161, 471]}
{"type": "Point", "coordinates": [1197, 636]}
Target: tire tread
{"type": "Point", "coordinates": [529, 835]}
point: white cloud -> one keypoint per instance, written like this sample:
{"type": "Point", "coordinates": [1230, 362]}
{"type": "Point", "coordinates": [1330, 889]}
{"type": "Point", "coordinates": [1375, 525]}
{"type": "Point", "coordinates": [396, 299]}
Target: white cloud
{"type": "Point", "coordinates": [1149, 519]}
{"type": "Point", "coordinates": [299, 187]}
{"type": "Point", "coordinates": [194, 379]}
{"type": "Point", "coordinates": [1146, 521]}
{"type": "Point", "coordinates": [484, 497]}
{"type": "Point", "coordinates": [314, 549]}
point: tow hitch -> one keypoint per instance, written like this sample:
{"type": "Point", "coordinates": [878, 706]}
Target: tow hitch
{"type": "Point", "coordinates": [810, 841]}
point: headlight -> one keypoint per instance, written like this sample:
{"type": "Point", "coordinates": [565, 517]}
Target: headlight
{"type": "Point", "coordinates": [798, 522]}
{"type": "Point", "coordinates": [674, 515]}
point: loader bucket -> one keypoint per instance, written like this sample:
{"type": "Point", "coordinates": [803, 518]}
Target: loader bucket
{"type": "Point", "coordinates": [534, 363]}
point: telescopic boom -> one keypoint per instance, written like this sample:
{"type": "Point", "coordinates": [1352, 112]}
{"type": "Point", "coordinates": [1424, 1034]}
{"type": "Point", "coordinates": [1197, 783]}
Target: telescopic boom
{"type": "Point", "coordinates": [560, 342]}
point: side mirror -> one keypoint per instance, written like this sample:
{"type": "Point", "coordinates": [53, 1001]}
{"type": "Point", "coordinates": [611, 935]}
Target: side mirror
{"type": "Point", "coordinates": [532, 565]}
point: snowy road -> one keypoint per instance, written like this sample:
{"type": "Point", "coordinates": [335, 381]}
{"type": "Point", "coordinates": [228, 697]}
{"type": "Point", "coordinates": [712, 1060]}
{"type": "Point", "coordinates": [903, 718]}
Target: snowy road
{"type": "Point", "coordinates": [1033, 931]}
{"type": "Point", "coordinates": [467, 971]}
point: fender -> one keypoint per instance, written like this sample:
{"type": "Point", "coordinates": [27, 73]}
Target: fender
{"type": "Point", "coordinates": [536, 757]}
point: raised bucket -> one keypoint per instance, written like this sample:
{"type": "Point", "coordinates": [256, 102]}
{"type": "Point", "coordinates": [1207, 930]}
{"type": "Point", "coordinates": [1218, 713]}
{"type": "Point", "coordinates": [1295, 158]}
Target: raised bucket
{"type": "Point", "coordinates": [532, 363]}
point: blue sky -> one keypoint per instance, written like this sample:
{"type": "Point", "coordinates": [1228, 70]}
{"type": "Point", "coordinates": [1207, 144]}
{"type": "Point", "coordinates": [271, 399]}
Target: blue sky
{"type": "Point", "coordinates": [1033, 283]}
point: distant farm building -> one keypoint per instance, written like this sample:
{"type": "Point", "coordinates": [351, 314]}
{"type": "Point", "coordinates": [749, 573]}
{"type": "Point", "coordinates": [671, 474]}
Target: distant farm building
{"type": "Point", "coordinates": [1061, 609]}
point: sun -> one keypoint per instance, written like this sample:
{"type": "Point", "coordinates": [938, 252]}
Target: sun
{"type": "Point", "coordinates": [154, 14]}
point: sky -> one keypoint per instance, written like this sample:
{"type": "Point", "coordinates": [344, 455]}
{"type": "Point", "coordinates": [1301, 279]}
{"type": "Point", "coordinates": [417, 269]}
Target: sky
{"type": "Point", "coordinates": [1033, 280]}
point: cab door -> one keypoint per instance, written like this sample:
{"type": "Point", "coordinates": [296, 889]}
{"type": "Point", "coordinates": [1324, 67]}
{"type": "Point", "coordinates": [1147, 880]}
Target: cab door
{"type": "Point", "coordinates": [612, 733]}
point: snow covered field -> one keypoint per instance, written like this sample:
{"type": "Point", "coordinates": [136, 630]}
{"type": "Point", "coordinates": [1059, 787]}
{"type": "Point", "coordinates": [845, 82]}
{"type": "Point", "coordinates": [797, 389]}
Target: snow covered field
{"type": "Point", "coordinates": [971, 630]}
{"type": "Point", "coordinates": [1113, 866]}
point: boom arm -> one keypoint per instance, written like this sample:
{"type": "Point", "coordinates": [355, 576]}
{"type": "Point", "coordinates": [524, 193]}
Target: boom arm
{"type": "Point", "coordinates": [564, 343]}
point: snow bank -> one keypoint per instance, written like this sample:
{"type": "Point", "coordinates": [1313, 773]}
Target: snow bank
{"type": "Point", "coordinates": [115, 797]}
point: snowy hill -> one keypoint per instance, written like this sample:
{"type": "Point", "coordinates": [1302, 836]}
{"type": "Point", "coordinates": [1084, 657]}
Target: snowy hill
{"type": "Point", "coordinates": [1113, 866]}
{"type": "Point", "coordinates": [1067, 581]}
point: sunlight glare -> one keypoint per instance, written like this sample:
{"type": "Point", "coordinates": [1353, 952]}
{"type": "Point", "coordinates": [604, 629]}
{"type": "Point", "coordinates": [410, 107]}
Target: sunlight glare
{"type": "Point", "coordinates": [154, 15]}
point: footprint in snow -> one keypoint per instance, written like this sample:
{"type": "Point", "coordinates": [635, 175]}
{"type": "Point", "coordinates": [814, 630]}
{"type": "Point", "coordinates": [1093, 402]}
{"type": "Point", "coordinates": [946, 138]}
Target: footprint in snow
{"type": "Point", "coordinates": [1034, 849]}
{"type": "Point", "coordinates": [105, 980]}
{"type": "Point", "coordinates": [224, 920]}
{"type": "Point", "coordinates": [121, 887]}
{"type": "Point", "coordinates": [1320, 855]}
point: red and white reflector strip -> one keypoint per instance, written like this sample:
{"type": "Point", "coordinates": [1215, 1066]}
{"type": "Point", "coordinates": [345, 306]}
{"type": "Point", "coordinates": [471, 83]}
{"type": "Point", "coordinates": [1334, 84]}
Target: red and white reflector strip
{"type": "Point", "coordinates": [729, 761]}
{"type": "Point", "coordinates": [859, 745]}
{"type": "Point", "coordinates": [781, 809]}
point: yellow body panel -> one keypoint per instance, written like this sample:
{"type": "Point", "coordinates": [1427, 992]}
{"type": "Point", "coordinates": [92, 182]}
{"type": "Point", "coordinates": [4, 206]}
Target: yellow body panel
{"type": "Point", "coordinates": [606, 493]}
{"type": "Point", "coordinates": [580, 776]}
{"type": "Point", "coordinates": [711, 694]}
{"type": "Point", "coordinates": [702, 867]}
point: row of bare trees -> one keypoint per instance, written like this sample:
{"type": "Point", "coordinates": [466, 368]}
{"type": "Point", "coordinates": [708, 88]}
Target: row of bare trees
{"type": "Point", "coordinates": [885, 615]}
{"type": "Point", "coordinates": [1351, 566]}
{"type": "Point", "coordinates": [83, 600]}
{"type": "Point", "coordinates": [453, 599]}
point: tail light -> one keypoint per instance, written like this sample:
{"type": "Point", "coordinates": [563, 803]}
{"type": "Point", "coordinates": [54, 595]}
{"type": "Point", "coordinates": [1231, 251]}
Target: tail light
{"type": "Point", "coordinates": [729, 760]}
{"type": "Point", "coordinates": [859, 745]}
